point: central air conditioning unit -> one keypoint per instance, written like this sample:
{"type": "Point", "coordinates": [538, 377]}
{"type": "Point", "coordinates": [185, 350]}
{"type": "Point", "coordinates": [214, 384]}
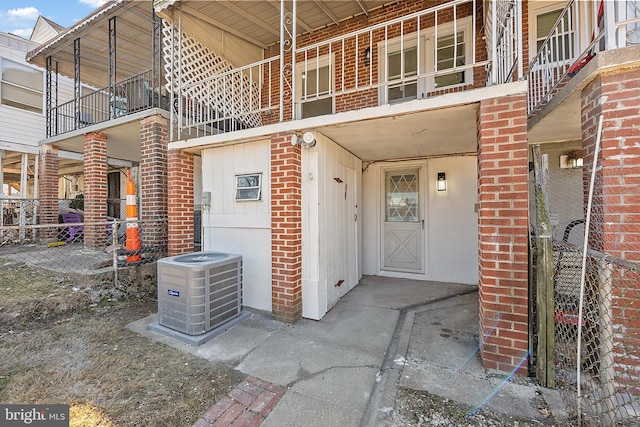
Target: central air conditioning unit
{"type": "Point", "coordinates": [199, 292]}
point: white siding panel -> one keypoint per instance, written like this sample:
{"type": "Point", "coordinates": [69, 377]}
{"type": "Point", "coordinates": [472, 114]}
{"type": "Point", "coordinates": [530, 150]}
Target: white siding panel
{"type": "Point", "coordinates": [240, 227]}
{"type": "Point", "coordinates": [20, 126]}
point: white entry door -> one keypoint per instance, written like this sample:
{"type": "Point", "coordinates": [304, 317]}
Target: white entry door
{"type": "Point", "coordinates": [403, 226]}
{"type": "Point", "coordinates": [342, 259]}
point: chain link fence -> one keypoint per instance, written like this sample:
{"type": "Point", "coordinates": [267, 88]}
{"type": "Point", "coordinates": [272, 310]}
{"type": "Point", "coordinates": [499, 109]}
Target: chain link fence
{"type": "Point", "coordinates": [588, 343]}
{"type": "Point", "coordinates": [94, 254]}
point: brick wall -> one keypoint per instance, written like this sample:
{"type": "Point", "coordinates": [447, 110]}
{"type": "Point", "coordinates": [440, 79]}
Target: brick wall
{"type": "Point", "coordinates": [95, 188]}
{"type": "Point", "coordinates": [154, 138]}
{"type": "Point", "coordinates": [180, 205]}
{"type": "Point", "coordinates": [286, 229]}
{"type": "Point", "coordinates": [48, 190]}
{"type": "Point", "coordinates": [615, 220]}
{"type": "Point", "coordinates": [503, 233]}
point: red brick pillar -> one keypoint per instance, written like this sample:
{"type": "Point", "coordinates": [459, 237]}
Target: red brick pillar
{"type": "Point", "coordinates": [48, 190]}
{"type": "Point", "coordinates": [503, 220]}
{"type": "Point", "coordinates": [615, 224]}
{"type": "Point", "coordinates": [95, 188]}
{"type": "Point", "coordinates": [180, 180]}
{"type": "Point", "coordinates": [286, 229]}
{"type": "Point", "coordinates": [154, 138]}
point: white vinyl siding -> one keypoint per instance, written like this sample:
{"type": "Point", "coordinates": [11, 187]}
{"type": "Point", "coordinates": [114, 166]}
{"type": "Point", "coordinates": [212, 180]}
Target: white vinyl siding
{"type": "Point", "coordinates": [21, 86]}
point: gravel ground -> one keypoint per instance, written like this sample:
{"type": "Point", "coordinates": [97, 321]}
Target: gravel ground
{"type": "Point", "coordinates": [419, 408]}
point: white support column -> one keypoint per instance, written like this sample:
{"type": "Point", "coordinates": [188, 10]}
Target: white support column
{"type": "Point", "coordinates": [494, 47]}
{"type": "Point", "coordinates": [609, 25]}
{"type": "Point", "coordinates": [24, 165]}
{"type": "Point", "coordinates": [518, 23]}
{"type": "Point", "coordinates": [282, 32]}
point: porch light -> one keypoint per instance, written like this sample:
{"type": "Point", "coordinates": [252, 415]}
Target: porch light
{"type": "Point", "coordinates": [441, 184]}
{"type": "Point", "coordinates": [366, 55]}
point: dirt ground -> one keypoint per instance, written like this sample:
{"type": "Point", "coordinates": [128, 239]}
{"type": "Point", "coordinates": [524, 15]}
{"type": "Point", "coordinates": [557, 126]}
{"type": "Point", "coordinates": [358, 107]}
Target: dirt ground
{"type": "Point", "coordinates": [57, 345]}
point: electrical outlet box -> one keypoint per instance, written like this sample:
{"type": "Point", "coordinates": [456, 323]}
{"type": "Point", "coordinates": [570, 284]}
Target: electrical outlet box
{"type": "Point", "coordinates": [206, 197]}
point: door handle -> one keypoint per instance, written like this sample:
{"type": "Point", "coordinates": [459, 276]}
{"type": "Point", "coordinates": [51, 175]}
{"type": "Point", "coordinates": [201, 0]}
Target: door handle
{"type": "Point", "coordinates": [422, 224]}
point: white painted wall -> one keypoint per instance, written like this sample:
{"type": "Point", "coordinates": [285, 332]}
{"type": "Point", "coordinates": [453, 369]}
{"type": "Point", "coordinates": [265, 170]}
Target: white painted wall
{"type": "Point", "coordinates": [331, 227]}
{"type": "Point", "coordinates": [240, 227]}
{"type": "Point", "coordinates": [451, 225]}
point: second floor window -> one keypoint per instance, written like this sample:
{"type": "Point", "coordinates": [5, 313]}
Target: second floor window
{"type": "Point", "coordinates": [399, 70]}
{"type": "Point", "coordinates": [560, 44]}
{"type": "Point", "coordinates": [316, 87]}
{"type": "Point", "coordinates": [451, 52]}
{"type": "Point", "coordinates": [21, 86]}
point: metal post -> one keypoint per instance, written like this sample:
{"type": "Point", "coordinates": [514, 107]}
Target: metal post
{"type": "Point", "coordinates": [494, 46]}
{"type": "Point", "coordinates": [48, 100]}
{"type": "Point", "coordinates": [76, 83]}
{"type": "Point", "coordinates": [609, 25]}
{"type": "Point", "coordinates": [112, 71]}
{"type": "Point", "coordinates": [282, 32]}
{"type": "Point", "coordinates": [518, 23]}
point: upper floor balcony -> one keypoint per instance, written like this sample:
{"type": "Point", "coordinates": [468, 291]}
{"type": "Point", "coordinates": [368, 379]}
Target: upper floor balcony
{"type": "Point", "coordinates": [238, 65]}
{"type": "Point", "coordinates": [578, 32]}
{"type": "Point", "coordinates": [113, 59]}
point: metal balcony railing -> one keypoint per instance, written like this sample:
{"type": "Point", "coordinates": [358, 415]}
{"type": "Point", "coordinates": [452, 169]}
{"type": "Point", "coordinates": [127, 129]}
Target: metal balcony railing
{"type": "Point", "coordinates": [127, 96]}
{"type": "Point", "coordinates": [582, 30]}
{"type": "Point", "coordinates": [438, 48]}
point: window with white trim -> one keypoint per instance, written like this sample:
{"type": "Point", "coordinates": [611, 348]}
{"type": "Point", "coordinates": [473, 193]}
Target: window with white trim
{"type": "Point", "coordinates": [429, 59]}
{"type": "Point", "coordinates": [453, 49]}
{"type": "Point", "coordinates": [315, 80]}
{"type": "Point", "coordinates": [21, 86]}
{"type": "Point", "coordinates": [545, 23]}
{"type": "Point", "coordinates": [399, 69]}
{"type": "Point", "coordinates": [248, 187]}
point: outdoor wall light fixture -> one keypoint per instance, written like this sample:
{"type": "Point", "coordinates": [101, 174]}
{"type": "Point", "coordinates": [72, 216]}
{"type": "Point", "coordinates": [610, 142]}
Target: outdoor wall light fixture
{"type": "Point", "coordinates": [572, 160]}
{"type": "Point", "coordinates": [307, 139]}
{"type": "Point", "coordinates": [366, 55]}
{"type": "Point", "coordinates": [441, 184]}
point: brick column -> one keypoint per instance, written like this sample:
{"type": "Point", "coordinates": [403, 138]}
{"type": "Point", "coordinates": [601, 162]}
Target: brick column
{"type": "Point", "coordinates": [48, 190]}
{"type": "Point", "coordinates": [503, 233]}
{"type": "Point", "coordinates": [615, 225]}
{"type": "Point", "coordinates": [286, 229]}
{"type": "Point", "coordinates": [180, 206]}
{"type": "Point", "coordinates": [95, 188]}
{"type": "Point", "coordinates": [154, 138]}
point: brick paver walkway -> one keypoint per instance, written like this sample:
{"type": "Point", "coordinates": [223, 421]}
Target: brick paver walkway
{"type": "Point", "coordinates": [247, 405]}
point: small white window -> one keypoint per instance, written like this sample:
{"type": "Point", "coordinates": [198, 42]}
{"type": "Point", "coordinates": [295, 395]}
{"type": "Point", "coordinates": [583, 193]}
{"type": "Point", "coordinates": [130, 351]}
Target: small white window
{"type": "Point", "coordinates": [249, 186]}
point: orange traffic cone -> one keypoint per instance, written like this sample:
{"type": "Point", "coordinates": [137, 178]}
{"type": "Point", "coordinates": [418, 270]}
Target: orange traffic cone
{"type": "Point", "coordinates": [133, 238]}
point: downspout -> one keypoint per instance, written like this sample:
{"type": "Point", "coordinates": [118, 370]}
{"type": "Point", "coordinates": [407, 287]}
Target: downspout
{"type": "Point", "coordinates": [282, 59]}
{"type": "Point", "coordinates": [518, 22]}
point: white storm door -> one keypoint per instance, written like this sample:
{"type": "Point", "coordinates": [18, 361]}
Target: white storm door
{"type": "Point", "coordinates": [403, 225]}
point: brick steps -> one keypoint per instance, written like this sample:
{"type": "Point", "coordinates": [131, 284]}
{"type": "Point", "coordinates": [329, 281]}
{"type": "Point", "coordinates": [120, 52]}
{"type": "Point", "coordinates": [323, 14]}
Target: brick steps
{"type": "Point", "coordinates": [247, 405]}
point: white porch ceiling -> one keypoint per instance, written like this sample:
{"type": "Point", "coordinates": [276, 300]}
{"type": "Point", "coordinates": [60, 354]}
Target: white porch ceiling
{"type": "Point", "coordinates": [256, 22]}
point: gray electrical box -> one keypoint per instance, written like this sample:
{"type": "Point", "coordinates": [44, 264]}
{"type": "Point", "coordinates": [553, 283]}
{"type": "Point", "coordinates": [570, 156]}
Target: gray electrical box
{"type": "Point", "coordinates": [206, 197]}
